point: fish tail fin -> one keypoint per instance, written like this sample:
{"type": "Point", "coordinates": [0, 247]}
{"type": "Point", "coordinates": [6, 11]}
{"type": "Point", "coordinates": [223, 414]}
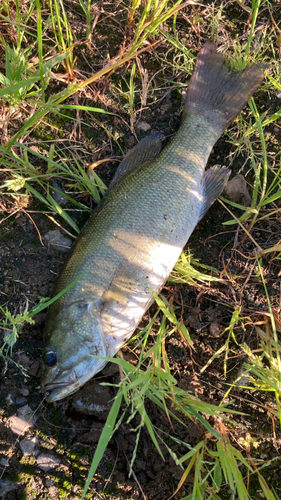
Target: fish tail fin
{"type": "Point", "coordinates": [215, 92]}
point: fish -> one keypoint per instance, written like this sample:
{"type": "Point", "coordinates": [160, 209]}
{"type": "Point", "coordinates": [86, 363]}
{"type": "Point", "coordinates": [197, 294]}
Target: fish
{"type": "Point", "coordinates": [133, 239]}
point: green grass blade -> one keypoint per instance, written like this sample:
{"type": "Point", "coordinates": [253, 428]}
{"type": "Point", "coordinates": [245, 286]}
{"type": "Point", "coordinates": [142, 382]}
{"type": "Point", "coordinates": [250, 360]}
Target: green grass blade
{"type": "Point", "coordinates": [104, 439]}
{"type": "Point", "coordinates": [60, 211]}
{"type": "Point", "coordinates": [19, 86]}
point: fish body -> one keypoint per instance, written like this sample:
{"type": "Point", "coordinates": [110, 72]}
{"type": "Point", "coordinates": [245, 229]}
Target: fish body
{"type": "Point", "coordinates": [132, 241]}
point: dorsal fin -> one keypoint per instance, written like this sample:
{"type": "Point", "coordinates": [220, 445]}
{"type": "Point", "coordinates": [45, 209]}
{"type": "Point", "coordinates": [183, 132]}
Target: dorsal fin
{"type": "Point", "coordinates": [147, 149]}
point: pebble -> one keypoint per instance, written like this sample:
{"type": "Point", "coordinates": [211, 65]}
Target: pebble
{"type": "Point", "coordinates": [26, 413]}
{"type": "Point", "coordinates": [20, 401]}
{"type": "Point", "coordinates": [6, 487]}
{"type": "Point", "coordinates": [18, 425]}
{"type": "Point", "coordinates": [142, 125]}
{"type": "Point", "coordinates": [9, 399]}
{"type": "Point", "coordinates": [47, 462]}
{"type": "Point", "coordinates": [237, 191]}
{"type": "Point", "coordinates": [56, 239]}
{"type": "Point", "coordinates": [22, 421]}
{"type": "Point", "coordinates": [244, 380]}
{"type": "Point", "coordinates": [215, 329]}
{"type": "Point", "coordinates": [93, 399]}
{"type": "Point", "coordinates": [29, 446]}
{"type": "Point", "coordinates": [49, 482]}
{"type": "Point", "coordinates": [4, 462]}
{"type": "Point", "coordinates": [59, 195]}
{"type": "Point", "coordinates": [24, 391]}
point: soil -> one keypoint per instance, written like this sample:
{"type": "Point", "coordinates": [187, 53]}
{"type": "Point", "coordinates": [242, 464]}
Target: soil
{"type": "Point", "coordinates": [51, 458]}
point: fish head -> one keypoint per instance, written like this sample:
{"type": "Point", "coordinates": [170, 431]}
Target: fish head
{"type": "Point", "coordinates": [72, 338]}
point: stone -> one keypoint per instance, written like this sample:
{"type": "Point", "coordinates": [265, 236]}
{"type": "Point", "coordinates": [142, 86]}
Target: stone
{"type": "Point", "coordinates": [6, 487]}
{"type": "Point", "coordinates": [18, 425]}
{"type": "Point", "coordinates": [236, 190]}
{"type": "Point", "coordinates": [59, 241]}
{"type": "Point", "coordinates": [93, 399]}
{"type": "Point", "coordinates": [29, 446]}
{"type": "Point", "coordinates": [46, 461]}
{"type": "Point", "coordinates": [142, 125]}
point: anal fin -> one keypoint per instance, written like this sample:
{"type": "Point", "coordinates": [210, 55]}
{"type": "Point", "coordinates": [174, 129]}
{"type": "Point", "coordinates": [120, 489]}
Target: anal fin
{"type": "Point", "coordinates": [213, 184]}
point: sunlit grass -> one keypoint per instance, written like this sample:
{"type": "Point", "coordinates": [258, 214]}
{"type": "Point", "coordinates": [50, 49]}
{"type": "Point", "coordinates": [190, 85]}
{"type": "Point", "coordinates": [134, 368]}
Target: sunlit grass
{"type": "Point", "coordinates": [217, 465]}
{"type": "Point", "coordinates": [215, 461]}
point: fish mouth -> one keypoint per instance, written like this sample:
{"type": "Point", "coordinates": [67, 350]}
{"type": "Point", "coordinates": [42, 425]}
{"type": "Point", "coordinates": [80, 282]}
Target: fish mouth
{"type": "Point", "coordinates": [55, 392]}
{"type": "Point", "coordinates": [61, 389]}
{"type": "Point", "coordinates": [61, 384]}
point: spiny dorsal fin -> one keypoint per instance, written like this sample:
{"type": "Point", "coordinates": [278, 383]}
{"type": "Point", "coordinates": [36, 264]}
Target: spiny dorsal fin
{"type": "Point", "coordinates": [146, 150]}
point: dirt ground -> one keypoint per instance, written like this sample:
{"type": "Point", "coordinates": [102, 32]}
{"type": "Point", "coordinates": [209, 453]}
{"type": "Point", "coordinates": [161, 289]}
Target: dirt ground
{"type": "Point", "coordinates": [51, 459]}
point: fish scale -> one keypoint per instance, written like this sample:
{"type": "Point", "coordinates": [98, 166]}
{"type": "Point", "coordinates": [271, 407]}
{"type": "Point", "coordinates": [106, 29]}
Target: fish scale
{"type": "Point", "coordinates": [132, 241]}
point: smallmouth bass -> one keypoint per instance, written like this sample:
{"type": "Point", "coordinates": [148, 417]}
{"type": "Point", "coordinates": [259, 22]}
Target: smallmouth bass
{"type": "Point", "coordinates": [134, 237]}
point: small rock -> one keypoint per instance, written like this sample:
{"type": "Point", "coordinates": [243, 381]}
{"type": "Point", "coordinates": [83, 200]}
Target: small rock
{"type": "Point", "coordinates": [244, 377]}
{"type": "Point", "coordinates": [20, 401]}
{"type": "Point", "coordinates": [59, 195]}
{"type": "Point", "coordinates": [237, 191]}
{"type": "Point", "coordinates": [24, 391]}
{"type": "Point", "coordinates": [109, 370]}
{"type": "Point", "coordinates": [47, 462]}
{"type": "Point", "coordinates": [26, 413]}
{"type": "Point", "coordinates": [9, 399]}
{"type": "Point", "coordinates": [93, 399]}
{"type": "Point", "coordinates": [58, 240]}
{"type": "Point", "coordinates": [18, 425]}
{"type": "Point", "coordinates": [4, 462]}
{"type": "Point", "coordinates": [6, 487]}
{"type": "Point", "coordinates": [8, 337]}
{"type": "Point", "coordinates": [28, 446]}
{"type": "Point", "coordinates": [22, 421]}
{"type": "Point", "coordinates": [142, 125]}
{"type": "Point", "coordinates": [215, 329]}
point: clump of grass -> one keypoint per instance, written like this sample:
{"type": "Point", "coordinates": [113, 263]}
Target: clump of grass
{"type": "Point", "coordinates": [266, 368]}
{"type": "Point", "coordinates": [62, 32]}
{"type": "Point", "coordinates": [185, 272]}
{"type": "Point", "coordinates": [11, 325]}
{"type": "Point", "coordinates": [216, 463]}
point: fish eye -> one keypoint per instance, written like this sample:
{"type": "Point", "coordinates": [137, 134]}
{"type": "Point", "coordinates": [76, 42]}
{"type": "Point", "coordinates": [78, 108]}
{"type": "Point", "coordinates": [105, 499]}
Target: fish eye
{"type": "Point", "coordinates": [50, 358]}
{"type": "Point", "coordinates": [82, 306]}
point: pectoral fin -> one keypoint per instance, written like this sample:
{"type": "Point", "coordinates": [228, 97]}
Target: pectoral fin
{"type": "Point", "coordinates": [213, 184]}
{"type": "Point", "coordinates": [123, 304]}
